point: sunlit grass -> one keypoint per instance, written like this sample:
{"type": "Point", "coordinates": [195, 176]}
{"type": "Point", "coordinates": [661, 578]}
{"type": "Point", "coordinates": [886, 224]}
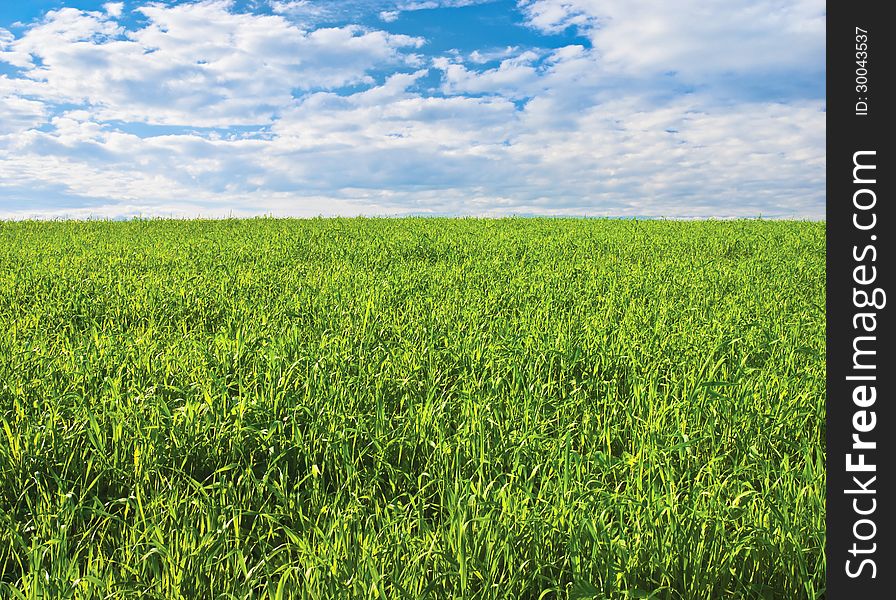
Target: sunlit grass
{"type": "Point", "coordinates": [412, 409]}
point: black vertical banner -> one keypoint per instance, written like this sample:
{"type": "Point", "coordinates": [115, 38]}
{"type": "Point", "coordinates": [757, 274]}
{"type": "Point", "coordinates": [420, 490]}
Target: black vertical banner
{"type": "Point", "coordinates": [861, 437]}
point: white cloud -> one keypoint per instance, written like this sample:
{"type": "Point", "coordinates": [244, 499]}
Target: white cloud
{"type": "Point", "coordinates": [692, 37]}
{"type": "Point", "coordinates": [516, 76]}
{"type": "Point", "coordinates": [390, 150]}
{"type": "Point", "coordinates": [113, 8]}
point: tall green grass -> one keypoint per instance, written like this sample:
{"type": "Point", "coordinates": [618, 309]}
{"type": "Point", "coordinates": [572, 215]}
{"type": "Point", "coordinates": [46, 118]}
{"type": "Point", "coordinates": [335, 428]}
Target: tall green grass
{"type": "Point", "coordinates": [413, 408]}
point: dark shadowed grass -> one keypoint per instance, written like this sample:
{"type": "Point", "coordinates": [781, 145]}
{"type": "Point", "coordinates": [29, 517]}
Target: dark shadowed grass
{"type": "Point", "coordinates": [412, 408]}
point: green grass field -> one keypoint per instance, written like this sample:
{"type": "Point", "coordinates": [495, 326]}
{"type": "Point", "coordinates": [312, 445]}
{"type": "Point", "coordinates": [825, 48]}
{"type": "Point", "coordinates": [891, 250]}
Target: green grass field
{"type": "Point", "coordinates": [412, 408]}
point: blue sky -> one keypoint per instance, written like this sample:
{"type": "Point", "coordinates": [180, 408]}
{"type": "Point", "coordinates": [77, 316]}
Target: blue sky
{"type": "Point", "coordinates": [214, 108]}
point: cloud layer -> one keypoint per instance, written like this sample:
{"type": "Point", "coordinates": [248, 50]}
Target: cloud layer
{"type": "Point", "coordinates": [210, 108]}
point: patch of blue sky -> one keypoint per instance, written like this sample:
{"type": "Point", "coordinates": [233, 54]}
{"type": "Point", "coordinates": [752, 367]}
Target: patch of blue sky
{"type": "Point", "coordinates": [9, 70]}
{"type": "Point", "coordinates": [475, 27]}
{"type": "Point", "coordinates": [18, 13]}
{"type": "Point", "coordinates": [429, 83]}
